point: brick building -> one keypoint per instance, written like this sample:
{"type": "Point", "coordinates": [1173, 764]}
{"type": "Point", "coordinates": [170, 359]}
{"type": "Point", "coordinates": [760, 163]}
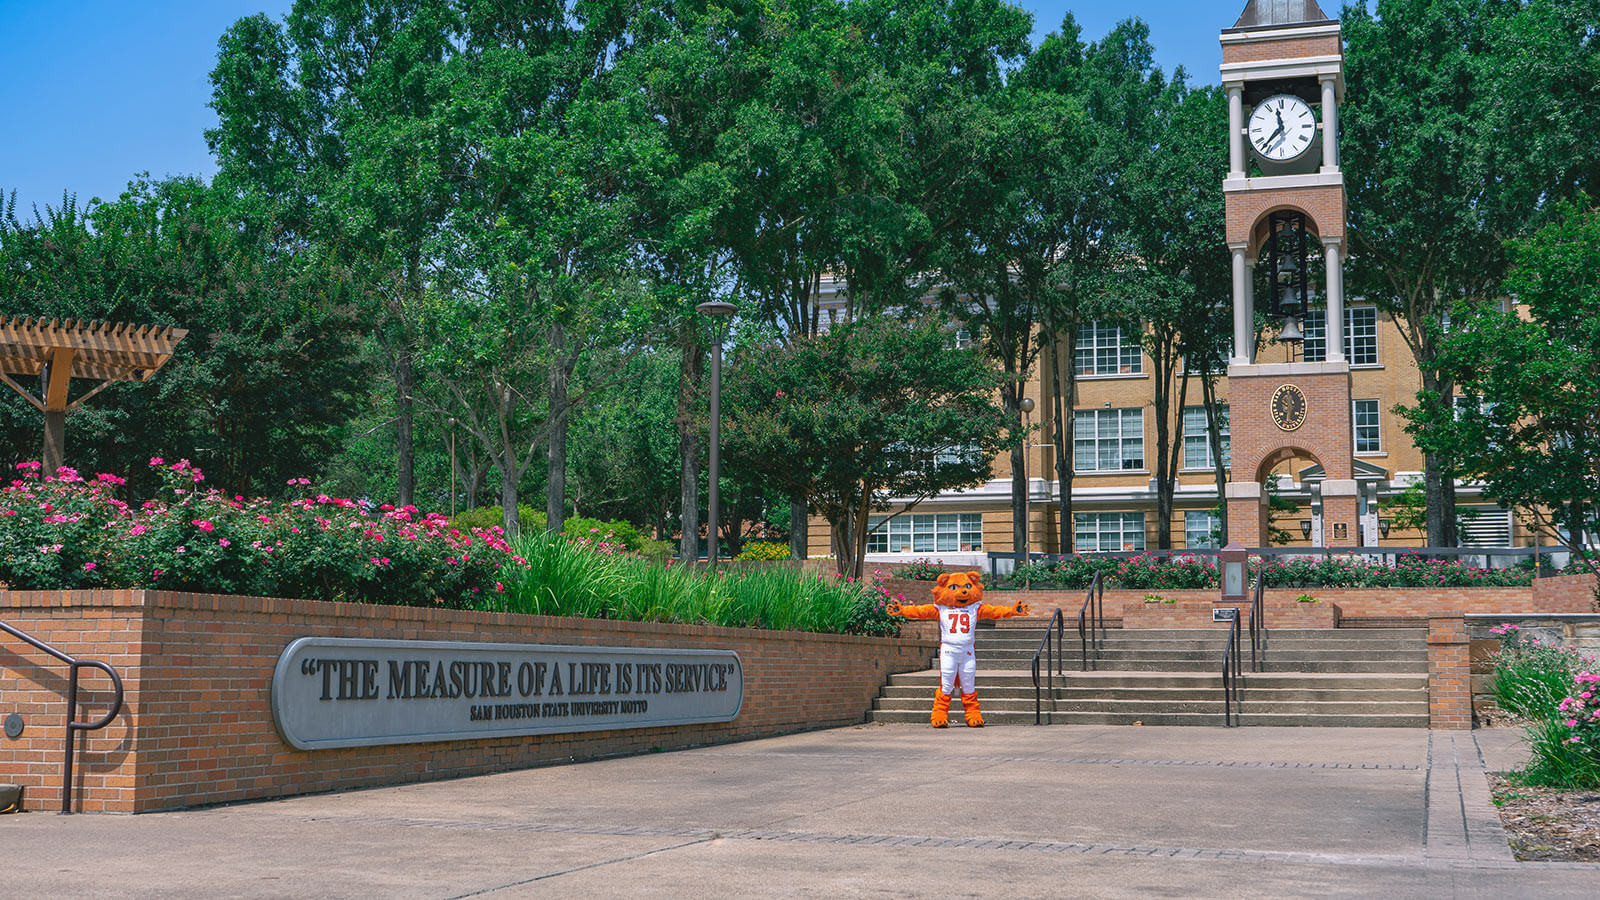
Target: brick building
{"type": "Point", "coordinates": [1343, 459]}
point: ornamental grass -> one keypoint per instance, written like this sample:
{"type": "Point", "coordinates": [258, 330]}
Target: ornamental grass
{"type": "Point", "coordinates": [596, 578]}
{"type": "Point", "coordinates": [1556, 691]}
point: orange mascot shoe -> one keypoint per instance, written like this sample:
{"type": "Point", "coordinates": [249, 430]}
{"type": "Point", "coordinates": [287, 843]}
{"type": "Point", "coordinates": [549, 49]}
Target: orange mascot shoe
{"type": "Point", "coordinates": [958, 607]}
{"type": "Point", "coordinates": [969, 705]}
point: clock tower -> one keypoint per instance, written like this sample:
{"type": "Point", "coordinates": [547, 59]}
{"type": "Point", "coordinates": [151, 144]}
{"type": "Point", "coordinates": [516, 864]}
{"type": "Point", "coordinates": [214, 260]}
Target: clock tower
{"type": "Point", "coordinates": [1283, 70]}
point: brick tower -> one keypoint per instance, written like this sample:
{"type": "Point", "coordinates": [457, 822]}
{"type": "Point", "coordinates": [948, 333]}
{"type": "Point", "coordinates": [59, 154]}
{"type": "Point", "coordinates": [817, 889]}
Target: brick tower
{"type": "Point", "coordinates": [1282, 67]}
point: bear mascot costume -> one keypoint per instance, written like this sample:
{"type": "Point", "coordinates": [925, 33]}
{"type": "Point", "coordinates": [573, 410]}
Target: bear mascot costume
{"type": "Point", "coordinates": [958, 606]}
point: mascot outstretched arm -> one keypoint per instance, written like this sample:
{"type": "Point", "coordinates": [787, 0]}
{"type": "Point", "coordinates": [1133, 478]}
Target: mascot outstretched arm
{"type": "Point", "coordinates": [957, 606]}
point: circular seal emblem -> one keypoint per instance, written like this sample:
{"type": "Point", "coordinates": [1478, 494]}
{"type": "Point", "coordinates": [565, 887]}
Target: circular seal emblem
{"type": "Point", "coordinates": [1288, 407]}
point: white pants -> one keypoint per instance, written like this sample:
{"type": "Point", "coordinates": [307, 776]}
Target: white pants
{"type": "Point", "coordinates": [954, 662]}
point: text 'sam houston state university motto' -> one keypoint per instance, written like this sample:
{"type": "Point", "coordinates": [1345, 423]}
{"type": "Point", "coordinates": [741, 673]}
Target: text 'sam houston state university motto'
{"type": "Point", "coordinates": [357, 692]}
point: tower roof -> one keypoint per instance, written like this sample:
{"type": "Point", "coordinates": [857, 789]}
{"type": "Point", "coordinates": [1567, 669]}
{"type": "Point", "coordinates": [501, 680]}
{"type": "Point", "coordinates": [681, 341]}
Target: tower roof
{"type": "Point", "coordinates": [1273, 13]}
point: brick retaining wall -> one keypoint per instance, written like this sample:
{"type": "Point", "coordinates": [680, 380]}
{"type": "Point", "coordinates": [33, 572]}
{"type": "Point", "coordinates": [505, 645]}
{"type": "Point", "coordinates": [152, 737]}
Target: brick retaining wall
{"type": "Point", "coordinates": [197, 725]}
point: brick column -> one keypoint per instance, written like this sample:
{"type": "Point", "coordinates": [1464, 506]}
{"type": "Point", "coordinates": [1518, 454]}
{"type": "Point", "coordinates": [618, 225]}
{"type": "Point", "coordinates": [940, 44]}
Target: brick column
{"type": "Point", "coordinates": [1449, 671]}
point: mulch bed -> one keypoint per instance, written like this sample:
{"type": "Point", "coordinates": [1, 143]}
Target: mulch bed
{"type": "Point", "coordinates": [1548, 824]}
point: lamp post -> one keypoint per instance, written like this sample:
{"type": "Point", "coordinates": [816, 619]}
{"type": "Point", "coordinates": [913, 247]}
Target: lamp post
{"type": "Point", "coordinates": [452, 468]}
{"type": "Point", "coordinates": [1026, 405]}
{"type": "Point", "coordinates": [719, 312]}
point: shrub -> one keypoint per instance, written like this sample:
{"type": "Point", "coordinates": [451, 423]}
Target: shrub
{"type": "Point", "coordinates": [622, 534]}
{"type": "Point", "coordinates": [763, 550]}
{"type": "Point", "coordinates": [1174, 572]}
{"type": "Point", "coordinates": [1555, 688]}
{"type": "Point", "coordinates": [529, 520]}
{"type": "Point", "coordinates": [921, 570]}
{"type": "Point", "coordinates": [63, 532]}
{"type": "Point", "coordinates": [1409, 570]}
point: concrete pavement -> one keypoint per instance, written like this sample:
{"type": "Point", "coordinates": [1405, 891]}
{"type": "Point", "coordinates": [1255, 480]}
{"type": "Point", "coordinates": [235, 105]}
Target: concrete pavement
{"type": "Point", "coordinates": [873, 810]}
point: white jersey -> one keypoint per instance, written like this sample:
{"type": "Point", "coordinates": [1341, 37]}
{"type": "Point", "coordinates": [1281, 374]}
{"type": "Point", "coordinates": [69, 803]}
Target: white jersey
{"type": "Point", "coordinates": [958, 626]}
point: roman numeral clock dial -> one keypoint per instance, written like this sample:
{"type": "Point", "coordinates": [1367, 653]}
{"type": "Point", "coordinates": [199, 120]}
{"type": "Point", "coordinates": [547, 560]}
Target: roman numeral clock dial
{"type": "Point", "coordinates": [1282, 128]}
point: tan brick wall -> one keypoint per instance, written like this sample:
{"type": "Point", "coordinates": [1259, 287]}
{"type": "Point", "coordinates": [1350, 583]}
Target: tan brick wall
{"type": "Point", "coordinates": [1573, 590]}
{"type": "Point", "coordinates": [1285, 48]}
{"type": "Point", "coordinates": [197, 727]}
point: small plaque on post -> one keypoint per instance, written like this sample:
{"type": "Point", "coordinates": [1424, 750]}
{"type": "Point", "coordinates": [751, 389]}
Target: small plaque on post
{"type": "Point", "coordinates": [1225, 614]}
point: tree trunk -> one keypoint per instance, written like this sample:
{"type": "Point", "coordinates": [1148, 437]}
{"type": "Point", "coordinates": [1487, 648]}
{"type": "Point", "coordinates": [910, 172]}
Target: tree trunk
{"type": "Point", "coordinates": [508, 499]}
{"type": "Point", "coordinates": [404, 452]}
{"type": "Point", "coordinates": [1162, 405]}
{"type": "Point", "coordinates": [1065, 405]}
{"type": "Point", "coordinates": [1438, 489]}
{"type": "Point", "coordinates": [799, 527]}
{"type": "Point", "coordinates": [1208, 392]}
{"type": "Point", "coordinates": [689, 451]}
{"type": "Point", "coordinates": [1019, 477]}
{"type": "Point", "coordinates": [555, 502]}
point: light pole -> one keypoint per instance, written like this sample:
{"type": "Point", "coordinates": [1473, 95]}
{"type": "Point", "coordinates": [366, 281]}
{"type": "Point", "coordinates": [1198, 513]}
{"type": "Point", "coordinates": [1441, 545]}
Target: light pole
{"type": "Point", "coordinates": [452, 467]}
{"type": "Point", "coordinates": [719, 312]}
{"type": "Point", "coordinates": [1026, 405]}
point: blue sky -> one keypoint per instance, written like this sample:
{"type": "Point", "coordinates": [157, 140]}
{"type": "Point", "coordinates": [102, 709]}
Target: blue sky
{"type": "Point", "coordinates": [97, 91]}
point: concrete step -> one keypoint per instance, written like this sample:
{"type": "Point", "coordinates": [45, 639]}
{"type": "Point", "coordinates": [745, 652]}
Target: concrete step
{"type": "Point", "coordinates": [1252, 693]}
{"type": "Point", "coordinates": [1214, 719]}
{"type": "Point", "coordinates": [1144, 709]}
{"type": "Point", "coordinates": [990, 643]}
{"type": "Point", "coordinates": [927, 679]}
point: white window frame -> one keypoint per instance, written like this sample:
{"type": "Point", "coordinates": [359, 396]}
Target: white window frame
{"type": "Point", "coordinates": [1124, 530]}
{"type": "Point", "coordinates": [1111, 354]}
{"type": "Point", "coordinates": [1196, 436]}
{"type": "Point", "coordinates": [926, 533]}
{"type": "Point", "coordinates": [1129, 428]}
{"type": "Point", "coordinates": [1202, 522]}
{"type": "Point", "coordinates": [1373, 429]}
{"type": "Point", "coordinates": [1360, 335]}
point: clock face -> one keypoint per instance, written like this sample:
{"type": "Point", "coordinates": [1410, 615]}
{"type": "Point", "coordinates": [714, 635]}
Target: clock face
{"type": "Point", "coordinates": [1288, 407]}
{"type": "Point", "coordinates": [1282, 127]}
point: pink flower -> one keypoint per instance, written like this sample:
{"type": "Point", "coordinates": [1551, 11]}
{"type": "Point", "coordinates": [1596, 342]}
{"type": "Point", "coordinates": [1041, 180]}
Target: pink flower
{"type": "Point", "coordinates": [224, 542]}
{"type": "Point", "coordinates": [203, 525]}
{"type": "Point", "coordinates": [88, 567]}
{"type": "Point", "coordinates": [499, 588]}
{"type": "Point", "coordinates": [156, 461]}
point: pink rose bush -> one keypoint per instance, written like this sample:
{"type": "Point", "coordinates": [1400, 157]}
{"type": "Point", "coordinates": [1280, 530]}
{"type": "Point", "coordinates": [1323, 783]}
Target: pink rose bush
{"type": "Point", "coordinates": [61, 531]}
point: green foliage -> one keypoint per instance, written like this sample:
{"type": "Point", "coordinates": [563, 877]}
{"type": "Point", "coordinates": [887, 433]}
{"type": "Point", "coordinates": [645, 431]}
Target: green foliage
{"type": "Point", "coordinates": [920, 570]}
{"type": "Point", "coordinates": [1530, 429]}
{"type": "Point", "coordinates": [570, 578]}
{"type": "Point", "coordinates": [1408, 571]}
{"type": "Point", "coordinates": [529, 519]}
{"type": "Point", "coordinates": [866, 411]}
{"type": "Point", "coordinates": [622, 534]}
{"type": "Point", "coordinates": [1407, 510]}
{"type": "Point", "coordinates": [1551, 687]}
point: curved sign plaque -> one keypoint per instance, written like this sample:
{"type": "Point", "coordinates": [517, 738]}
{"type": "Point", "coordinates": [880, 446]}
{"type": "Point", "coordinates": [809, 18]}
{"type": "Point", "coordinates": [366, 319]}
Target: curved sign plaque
{"type": "Point", "coordinates": [360, 692]}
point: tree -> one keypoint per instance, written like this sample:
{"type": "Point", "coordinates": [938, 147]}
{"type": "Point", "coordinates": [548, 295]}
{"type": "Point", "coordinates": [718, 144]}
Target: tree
{"type": "Point", "coordinates": [258, 391]}
{"type": "Point", "coordinates": [1529, 430]}
{"type": "Point", "coordinates": [865, 412]}
{"type": "Point", "coordinates": [1464, 120]}
{"type": "Point", "coordinates": [323, 132]}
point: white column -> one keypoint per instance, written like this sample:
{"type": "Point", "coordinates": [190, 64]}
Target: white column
{"type": "Point", "coordinates": [1243, 308]}
{"type": "Point", "coordinates": [1236, 131]}
{"type": "Point", "coordinates": [1330, 126]}
{"type": "Point", "coordinates": [1335, 266]}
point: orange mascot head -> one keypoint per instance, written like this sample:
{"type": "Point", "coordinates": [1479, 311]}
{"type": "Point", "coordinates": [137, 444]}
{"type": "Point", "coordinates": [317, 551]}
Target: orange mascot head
{"type": "Point", "coordinates": [959, 589]}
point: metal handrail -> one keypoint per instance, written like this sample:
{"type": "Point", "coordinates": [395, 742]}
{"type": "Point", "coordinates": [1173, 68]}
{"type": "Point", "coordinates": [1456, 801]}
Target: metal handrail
{"type": "Point", "coordinates": [74, 664]}
{"type": "Point", "coordinates": [1055, 629]}
{"type": "Point", "coordinates": [1092, 615]}
{"type": "Point", "coordinates": [1231, 715]}
{"type": "Point", "coordinates": [1258, 627]}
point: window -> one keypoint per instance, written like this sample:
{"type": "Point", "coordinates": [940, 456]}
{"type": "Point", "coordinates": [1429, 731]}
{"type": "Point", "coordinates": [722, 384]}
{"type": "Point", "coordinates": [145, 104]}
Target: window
{"type": "Point", "coordinates": [963, 339]}
{"type": "Point", "coordinates": [1197, 442]}
{"type": "Point", "coordinates": [1107, 440]}
{"type": "Point", "coordinates": [926, 533]}
{"type": "Point", "coordinates": [1108, 531]}
{"type": "Point", "coordinates": [1104, 350]}
{"type": "Point", "coordinates": [1366, 418]}
{"type": "Point", "coordinates": [1360, 335]}
{"type": "Point", "coordinates": [1200, 529]}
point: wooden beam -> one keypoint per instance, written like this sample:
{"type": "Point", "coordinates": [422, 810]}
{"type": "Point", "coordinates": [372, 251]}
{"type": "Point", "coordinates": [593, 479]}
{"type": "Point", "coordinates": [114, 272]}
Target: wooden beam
{"type": "Point", "coordinates": [26, 395]}
{"type": "Point", "coordinates": [55, 396]}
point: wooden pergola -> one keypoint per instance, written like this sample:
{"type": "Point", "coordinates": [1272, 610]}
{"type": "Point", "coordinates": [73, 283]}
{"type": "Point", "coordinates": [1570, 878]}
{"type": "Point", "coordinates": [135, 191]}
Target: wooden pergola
{"type": "Point", "coordinates": [60, 350]}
